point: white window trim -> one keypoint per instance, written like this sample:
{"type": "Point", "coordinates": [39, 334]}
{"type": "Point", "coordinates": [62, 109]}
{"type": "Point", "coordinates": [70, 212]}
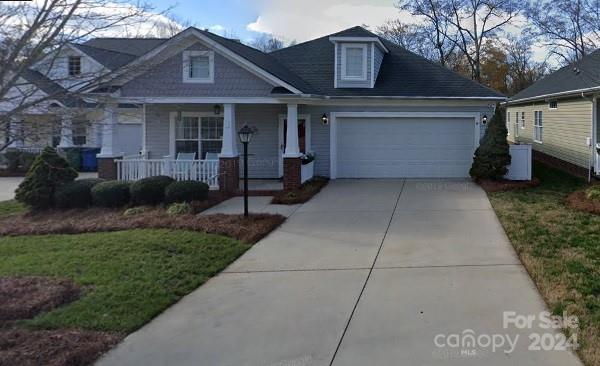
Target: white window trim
{"type": "Point", "coordinates": [172, 126]}
{"type": "Point", "coordinates": [508, 123]}
{"type": "Point", "coordinates": [186, 67]}
{"type": "Point", "coordinates": [522, 125]}
{"type": "Point", "coordinates": [364, 75]}
{"type": "Point", "coordinates": [553, 108]}
{"type": "Point", "coordinates": [536, 125]}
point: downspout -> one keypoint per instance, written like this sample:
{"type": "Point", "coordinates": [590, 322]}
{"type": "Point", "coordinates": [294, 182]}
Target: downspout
{"type": "Point", "coordinates": [592, 137]}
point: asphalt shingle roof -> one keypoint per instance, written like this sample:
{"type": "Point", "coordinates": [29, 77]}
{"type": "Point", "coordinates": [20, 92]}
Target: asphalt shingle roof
{"type": "Point", "coordinates": [402, 73]}
{"type": "Point", "coordinates": [580, 75]}
{"type": "Point", "coordinates": [108, 58]}
{"type": "Point", "coordinates": [53, 89]}
{"type": "Point", "coordinates": [130, 46]}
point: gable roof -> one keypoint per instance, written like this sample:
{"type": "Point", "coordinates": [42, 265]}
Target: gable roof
{"type": "Point", "coordinates": [110, 59]}
{"type": "Point", "coordinates": [575, 78]}
{"type": "Point", "coordinates": [130, 46]}
{"type": "Point", "coordinates": [52, 89]}
{"type": "Point", "coordinates": [402, 73]}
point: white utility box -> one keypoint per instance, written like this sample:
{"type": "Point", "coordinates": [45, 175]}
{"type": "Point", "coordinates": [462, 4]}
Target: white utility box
{"type": "Point", "coordinates": [521, 160]}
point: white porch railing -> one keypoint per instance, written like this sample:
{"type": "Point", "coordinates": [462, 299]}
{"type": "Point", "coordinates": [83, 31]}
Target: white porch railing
{"type": "Point", "coordinates": [201, 170]}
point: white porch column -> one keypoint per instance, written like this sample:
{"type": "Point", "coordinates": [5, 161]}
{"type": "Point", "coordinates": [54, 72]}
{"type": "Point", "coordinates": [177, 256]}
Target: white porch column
{"type": "Point", "coordinates": [292, 149]}
{"type": "Point", "coordinates": [229, 148]}
{"type": "Point", "coordinates": [66, 132]}
{"type": "Point", "coordinates": [109, 132]}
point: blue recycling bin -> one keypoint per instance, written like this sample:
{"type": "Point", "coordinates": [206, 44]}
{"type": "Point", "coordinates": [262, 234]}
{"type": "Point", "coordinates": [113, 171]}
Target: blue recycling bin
{"type": "Point", "coordinates": [89, 163]}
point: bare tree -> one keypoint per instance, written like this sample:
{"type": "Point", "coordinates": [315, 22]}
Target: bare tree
{"type": "Point", "coordinates": [32, 37]}
{"type": "Point", "coordinates": [436, 27]}
{"type": "Point", "coordinates": [570, 28]}
{"type": "Point", "coordinates": [410, 36]}
{"type": "Point", "coordinates": [475, 21]}
{"type": "Point", "coordinates": [267, 43]}
{"type": "Point", "coordinates": [523, 70]}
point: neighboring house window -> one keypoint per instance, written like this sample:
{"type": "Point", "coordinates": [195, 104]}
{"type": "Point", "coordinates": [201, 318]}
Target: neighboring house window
{"type": "Point", "coordinates": [354, 62]}
{"type": "Point", "coordinates": [553, 104]}
{"type": "Point", "coordinates": [538, 125]}
{"type": "Point", "coordinates": [199, 135]}
{"type": "Point", "coordinates": [79, 133]}
{"type": "Point", "coordinates": [198, 66]}
{"type": "Point", "coordinates": [522, 120]}
{"type": "Point", "coordinates": [508, 122]}
{"type": "Point", "coordinates": [74, 65]}
{"type": "Point", "coordinates": [56, 132]}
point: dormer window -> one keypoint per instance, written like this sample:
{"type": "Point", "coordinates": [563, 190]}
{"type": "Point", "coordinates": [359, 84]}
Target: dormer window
{"type": "Point", "coordinates": [198, 66]}
{"type": "Point", "coordinates": [354, 62]}
{"type": "Point", "coordinates": [74, 65]}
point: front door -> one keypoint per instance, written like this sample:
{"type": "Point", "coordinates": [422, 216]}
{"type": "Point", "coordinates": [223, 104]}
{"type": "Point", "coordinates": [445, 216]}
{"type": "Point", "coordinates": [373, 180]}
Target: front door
{"type": "Point", "coordinates": [302, 139]}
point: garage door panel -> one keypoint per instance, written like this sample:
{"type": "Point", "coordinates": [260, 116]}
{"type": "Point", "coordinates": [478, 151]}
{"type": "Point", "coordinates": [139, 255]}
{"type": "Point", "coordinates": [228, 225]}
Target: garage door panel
{"type": "Point", "coordinates": [402, 147]}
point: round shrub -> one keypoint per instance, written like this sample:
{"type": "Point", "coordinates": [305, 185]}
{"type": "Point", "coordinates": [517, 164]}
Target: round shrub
{"type": "Point", "coordinates": [593, 193]}
{"type": "Point", "coordinates": [150, 191]}
{"type": "Point", "coordinates": [186, 191]}
{"type": "Point", "coordinates": [113, 193]}
{"type": "Point", "coordinates": [77, 194]}
{"type": "Point", "coordinates": [182, 208]}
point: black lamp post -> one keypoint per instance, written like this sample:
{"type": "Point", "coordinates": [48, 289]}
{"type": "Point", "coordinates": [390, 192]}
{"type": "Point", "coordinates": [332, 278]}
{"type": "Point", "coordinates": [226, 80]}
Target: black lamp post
{"type": "Point", "coordinates": [245, 135]}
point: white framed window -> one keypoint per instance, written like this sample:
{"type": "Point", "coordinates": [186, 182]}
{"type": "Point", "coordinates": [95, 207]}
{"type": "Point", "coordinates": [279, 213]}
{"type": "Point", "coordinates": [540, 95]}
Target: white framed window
{"type": "Point", "coordinates": [354, 62]}
{"type": "Point", "coordinates": [522, 124]}
{"type": "Point", "coordinates": [74, 66]}
{"type": "Point", "coordinates": [197, 134]}
{"type": "Point", "coordinates": [538, 126]}
{"type": "Point", "coordinates": [198, 67]}
{"type": "Point", "coordinates": [508, 123]}
{"type": "Point", "coordinates": [553, 104]}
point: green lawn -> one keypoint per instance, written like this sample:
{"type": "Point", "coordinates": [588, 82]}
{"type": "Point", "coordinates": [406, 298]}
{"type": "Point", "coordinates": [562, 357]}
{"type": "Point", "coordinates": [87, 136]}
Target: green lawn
{"type": "Point", "coordinates": [129, 276]}
{"type": "Point", "coordinates": [560, 248]}
{"type": "Point", "coordinates": [12, 207]}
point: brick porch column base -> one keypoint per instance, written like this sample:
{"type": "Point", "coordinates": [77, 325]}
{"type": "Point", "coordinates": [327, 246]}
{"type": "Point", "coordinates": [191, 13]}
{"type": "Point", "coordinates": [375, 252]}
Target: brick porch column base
{"type": "Point", "coordinates": [229, 174]}
{"type": "Point", "coordinates": [107, 168]}
{"type": "Point", "coordinates": [291, 173]}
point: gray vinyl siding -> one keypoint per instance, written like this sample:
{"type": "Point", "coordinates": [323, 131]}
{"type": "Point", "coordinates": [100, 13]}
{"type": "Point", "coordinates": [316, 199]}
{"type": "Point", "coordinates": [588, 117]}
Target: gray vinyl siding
{"type": "Point", "coordinates": [320, 133]}
{"type": "Point", "coordinates": [564, 132]}
{"type": "Point", "coordinates": [166, 80]}
{"type": "Point", "coordinates": [264, 148]}
{"type": "Point", "coordinates": [352, 84]}
{"type": "Point", "coordinates": [378, 60]}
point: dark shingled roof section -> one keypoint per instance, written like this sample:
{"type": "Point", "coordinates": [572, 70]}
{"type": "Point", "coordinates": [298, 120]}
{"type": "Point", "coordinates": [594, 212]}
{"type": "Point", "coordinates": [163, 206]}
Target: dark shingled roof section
{"type": "Point", "coordinates": [402, 73]}
{"type": "Point", "coordinates": [566, 79]}
{"type": "Point", "coordinates": [263, 60]}
{"type": "Point", "coordinates": [109, 59]}
{"type": "Point", "coordinates": [130, 46]}
{"type": "Point", "coordinates": [53, 89]}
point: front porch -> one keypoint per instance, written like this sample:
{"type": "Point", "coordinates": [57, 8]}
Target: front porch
{"type": "Point", "coordinates": [200, 142]}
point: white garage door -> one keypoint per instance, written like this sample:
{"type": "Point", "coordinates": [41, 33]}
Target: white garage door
{"type": "Point", "coordinates": [404, 147]}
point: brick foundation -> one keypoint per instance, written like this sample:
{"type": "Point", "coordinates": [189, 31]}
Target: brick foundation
{"type": "Point", "coordinates": [291, 173]}
{"type": "Point", "coordinates": [560, 164]}
{"type": "Point", "coordinates": [229, 174]}
{"type": "Point", "coordinates": [107, 168]}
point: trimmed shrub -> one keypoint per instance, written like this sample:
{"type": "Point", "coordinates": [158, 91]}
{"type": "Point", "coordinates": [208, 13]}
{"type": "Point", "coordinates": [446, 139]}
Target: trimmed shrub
{"type": "Point", "coordinates": [135, 211]}
{"type": "Point", "coordinates": [492, 156]}
{"type": "Point", "coordinates": [112, 193]}
{"type": "Point", "coordinates": [593, 193]}
{"type": "Point", "coordinates": [150, 191]}
{"type": "Point", "coordinates": [181, 208]}
{"type": "Point", "coordinates": [77, 194]}
{"type": "Point", "coordinates": [48, 172]}
{"type": "Point", "coordinates": [186, 191]}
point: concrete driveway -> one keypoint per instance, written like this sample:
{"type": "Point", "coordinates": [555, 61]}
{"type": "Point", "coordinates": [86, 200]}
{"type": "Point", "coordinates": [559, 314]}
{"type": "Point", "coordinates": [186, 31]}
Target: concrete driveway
{"type": "Point", "coordinates": [369, 272]}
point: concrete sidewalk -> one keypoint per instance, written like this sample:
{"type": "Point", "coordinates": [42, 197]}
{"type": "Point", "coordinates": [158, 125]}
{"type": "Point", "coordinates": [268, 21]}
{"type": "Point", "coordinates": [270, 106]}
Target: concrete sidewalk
{"type": "Point", "coordinates": [369, 272]}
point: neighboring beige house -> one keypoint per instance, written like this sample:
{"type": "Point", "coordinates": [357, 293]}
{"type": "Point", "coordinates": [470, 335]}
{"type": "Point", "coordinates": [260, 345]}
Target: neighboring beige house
{"type": "Point", "coordinates": [558, 115]}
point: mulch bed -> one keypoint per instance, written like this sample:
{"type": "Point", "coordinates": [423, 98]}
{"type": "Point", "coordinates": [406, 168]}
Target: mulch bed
{"type": "Point", "coordinates": [249, 230]}
{"type": "Point", "coordinates": [25, 297]}
{"type": "Point", "coordinates": [64, 347]}
{"type": "Point", "coordinates": [489, 185]}
{"type": "Point", "coordinates": [579, 201]}
{"type": "Point", "coordinates": [307, 191]}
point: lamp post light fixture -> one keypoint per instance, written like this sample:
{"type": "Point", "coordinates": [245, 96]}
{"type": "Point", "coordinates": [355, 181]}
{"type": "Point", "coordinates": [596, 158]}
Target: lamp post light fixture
{"type": "Point", "coordinates": [324, 119]}
{"type": "Point", "coordinates": [245, 135]}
